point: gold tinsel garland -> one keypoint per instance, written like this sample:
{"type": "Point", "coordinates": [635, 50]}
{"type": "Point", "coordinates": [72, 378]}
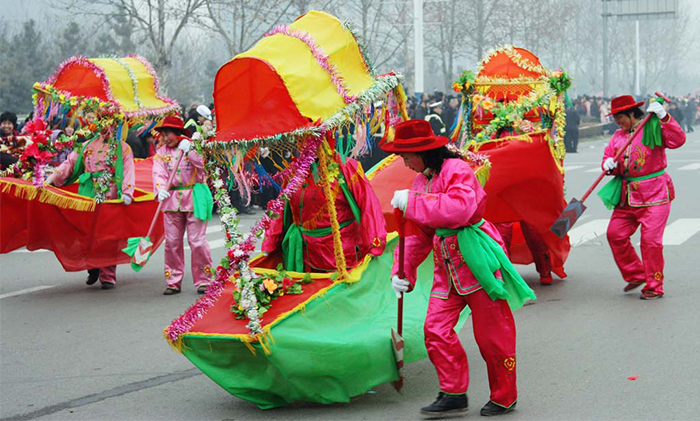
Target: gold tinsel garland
{"type": "Point", "coordinates": [324, 152]}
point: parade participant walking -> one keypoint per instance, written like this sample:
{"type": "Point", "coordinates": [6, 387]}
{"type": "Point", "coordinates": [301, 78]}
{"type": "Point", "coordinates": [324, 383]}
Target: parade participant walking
{"type": "Point", "coordinates": [304, 230]}
{"type": "Point", "coordinates": [188, 206]}
{"type": "Point", "coordinates": [446, 203]}
{"type": "Point", "coordinates": [104, 166]}
{"type": "Point", "coordinates": [196, 122]}
{"type": "Point", "coordinates": [642, 192]}
{"type": "Point", "coordinates": [11, 143]}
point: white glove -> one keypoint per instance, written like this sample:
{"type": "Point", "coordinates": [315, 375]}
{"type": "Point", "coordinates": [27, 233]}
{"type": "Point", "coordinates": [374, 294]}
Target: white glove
{"type": "Point", "coordinates": [127, 200]}
{"type": "Point", "coordinates": [609, 164]}
{"type": "Point", "coordinates": [399, 285]}
{"type": "Point", "coordinates": [400, 200]}
{"type": "Point", "coordinates": [658, 109]}
{"type": "Point", "coordinates": [184, 145]}
{"type": "Point", "coordinates": [163, 194]}
{"type": "Point", "coordinates": [49, 181]}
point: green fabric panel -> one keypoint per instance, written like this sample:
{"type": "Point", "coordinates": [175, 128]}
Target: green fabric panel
{"type": "Point", "coordinates": [79, 166]}
{"type": "Point", "coordinates": [203, 202]}
{"type": "Point", "coordinates": [339, 347]}
{"type": "Point", "coordinates": [119, 167]}
{"type": "Point", "coordinates": [293, 249]}
{"type": "Point", "coordinates": [611, 192]}
{"type": "Point", "coordinates": [483, 255]}
{"type": "Point", "coordinates": [350, 198]}
{"type": "Point", "coordinates": [87, 184]}
{"type": "Point", "coordinates": [130, 249]}
{"type": "Point", "coordinates": [651, 136]}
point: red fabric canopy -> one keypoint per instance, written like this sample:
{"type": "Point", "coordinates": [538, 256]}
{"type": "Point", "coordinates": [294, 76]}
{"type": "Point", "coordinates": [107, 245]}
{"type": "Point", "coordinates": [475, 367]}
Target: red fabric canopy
{"type": "Point", "coordinates": [248, 94]}
{"type": "Point", "coordinates": [81, 80]}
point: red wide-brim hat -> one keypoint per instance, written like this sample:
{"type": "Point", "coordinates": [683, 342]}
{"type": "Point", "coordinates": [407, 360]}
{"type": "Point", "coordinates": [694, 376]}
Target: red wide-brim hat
{"type": "Point", "coordinates": [413, 136]}
{"type": "Point", "coordinates": [622, 103]}
{"type": "Point", "coordinates": [174, 123]}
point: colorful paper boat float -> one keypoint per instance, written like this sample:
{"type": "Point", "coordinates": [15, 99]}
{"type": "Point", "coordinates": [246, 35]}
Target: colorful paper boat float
{"type": "Point", "coordinates": [332, 341]}
{"type": "Point", "coordinates": [83, 234]}
{"type": "Point", "coordinates": [512, 113]}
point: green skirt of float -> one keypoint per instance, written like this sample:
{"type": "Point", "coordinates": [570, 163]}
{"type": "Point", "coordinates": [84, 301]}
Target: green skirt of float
{"type": "Point", "coordinates": [336, 345]}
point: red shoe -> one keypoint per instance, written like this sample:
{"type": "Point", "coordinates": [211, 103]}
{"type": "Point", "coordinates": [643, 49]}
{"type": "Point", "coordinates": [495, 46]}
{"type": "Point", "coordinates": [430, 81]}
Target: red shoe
{"type": "Point", "coordinates": [632, 285]}
{"type": "Point", "coordinates": [650, 295]}
{"type": "Point", "coordinates": [546, 279]}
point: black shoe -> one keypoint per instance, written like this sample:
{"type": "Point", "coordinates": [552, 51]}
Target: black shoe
{"type": "Point", "coordinates": [445, 405]}
{"type": "Point", "coordinates": [202, 289]}
{"type": "Point", "coordinates": [107, 285]}
{"type": "Point", "coordinates": [93, 276]}
{"type": "Point", "coordinates": [491, 409]}
{"type": "Point", "coordinates": [171, 291]}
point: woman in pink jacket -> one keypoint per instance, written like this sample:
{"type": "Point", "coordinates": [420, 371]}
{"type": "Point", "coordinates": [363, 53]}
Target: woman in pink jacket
{"type": "Point", "coordinates": [641, 193]}
{"type": "Point", "coordinates": [187, 206]}
{"type": "Point", "coordinates": [446, 204]}
{"type": "Point", "coordinates": [104, 167]}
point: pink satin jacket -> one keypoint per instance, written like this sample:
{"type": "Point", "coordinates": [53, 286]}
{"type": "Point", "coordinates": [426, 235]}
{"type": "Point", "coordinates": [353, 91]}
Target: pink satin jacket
{"type": "Point", "coordinates": [451, 199]}
{"type": "Point", "coordinates": [639, 160]}
{"type": "Point", "coordinates": [190, 172]}
{"type": "Point", "coordinates": [94, 155]}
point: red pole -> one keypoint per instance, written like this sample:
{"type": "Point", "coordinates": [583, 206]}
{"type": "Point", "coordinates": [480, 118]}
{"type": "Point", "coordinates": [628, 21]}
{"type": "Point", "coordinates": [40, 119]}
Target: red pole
{"type": "Point", "coordinates": [160, 204]}
{"type": "Point", "coordinates": [398, 214]}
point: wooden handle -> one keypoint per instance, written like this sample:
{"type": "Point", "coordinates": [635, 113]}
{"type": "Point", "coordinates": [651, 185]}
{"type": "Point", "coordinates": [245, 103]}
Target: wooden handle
{"type": "Point", "coordinates": [169, 184]}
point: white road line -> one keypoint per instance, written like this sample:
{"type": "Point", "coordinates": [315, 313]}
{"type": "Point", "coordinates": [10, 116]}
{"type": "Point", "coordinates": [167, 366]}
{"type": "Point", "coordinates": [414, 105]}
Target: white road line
{"type": "Point", "coordinates": [596, 169]}
{"type": "Point", "coordinates": [213, 244]}
{"type": "Point", "coordinates": [680, 231]}
{"type": "Point", "coordinates": [23, 291]}
{"type": "Point", "coordinates": [588, 231]}
{"type": "Point", "coordinates": [690, 167]}
{"type": "Point", "coordinates": [213, 228]}
{"type": "Point", "coordinates": [572, 167]}
{"type": "Point", "coordinates": [24, 250]}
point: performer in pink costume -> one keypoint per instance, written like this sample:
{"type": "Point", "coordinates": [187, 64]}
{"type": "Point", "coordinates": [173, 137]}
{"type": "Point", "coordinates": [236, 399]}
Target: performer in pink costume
{"type": "Point", "coordinates": [304, 234]}
{"type": "Point", "coordinates": [645, 197]}
{"type": "Point", "coordinates": [93, 162]}
{"type": "Point", "coordinates": [179, 207]}
{"type": "Point", "coordinates": [445, 201]}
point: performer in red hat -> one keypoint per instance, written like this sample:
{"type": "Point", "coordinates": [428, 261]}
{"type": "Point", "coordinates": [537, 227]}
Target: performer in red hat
{"type": "Point", "coordinates": [642, 192]}
{"type": "Point", "coordinates": [187, 206]}
{"type": "Point", "coordinates": [446, 203]}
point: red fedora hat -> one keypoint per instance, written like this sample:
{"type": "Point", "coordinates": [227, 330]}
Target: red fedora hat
{"type": "Point", "coordinates": [174, 123]}
{"type": "Point", "coordinates": [413, 136]}
{"type": "Point", "coordinates": [622, 103]}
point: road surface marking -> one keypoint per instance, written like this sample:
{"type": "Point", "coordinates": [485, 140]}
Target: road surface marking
{"type": "Point", "coordinates": [588, 231]}
{"type": "Point", "coordinates": [572, 167]}
{"type": "Point", "coordinates": [596, 169]}
{"type": "Point", "coordinates": [680, 231]}
{"type": "Point", "coordinates": [23, 291]}
{"type": "Point", "coordinates": [213, 228]}
{"type": "Point", "coordinates": [690, 167]}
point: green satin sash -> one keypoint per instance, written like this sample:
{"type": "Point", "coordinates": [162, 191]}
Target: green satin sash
{"type": "Point", "coordinates": [483, 255]}
{"type": "Point", "coordinates": [612, 191]}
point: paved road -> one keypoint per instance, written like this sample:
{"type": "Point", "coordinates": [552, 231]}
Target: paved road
{"type": "Point", "coordinates": [72, 352]}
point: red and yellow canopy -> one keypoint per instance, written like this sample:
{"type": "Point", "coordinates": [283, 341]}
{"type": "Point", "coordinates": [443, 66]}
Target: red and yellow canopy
{"type": "Point", "coordinates": [127, 85]}
{"type": "Point", "coordinates": [295, 78]}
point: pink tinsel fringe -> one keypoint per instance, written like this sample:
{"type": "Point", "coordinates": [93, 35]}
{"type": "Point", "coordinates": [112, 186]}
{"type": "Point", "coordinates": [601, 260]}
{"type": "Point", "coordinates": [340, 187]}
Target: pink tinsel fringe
{"type": "Point", "coordinates": [301, 169]}
{"type": "Point", "coordinates": [320, 56]}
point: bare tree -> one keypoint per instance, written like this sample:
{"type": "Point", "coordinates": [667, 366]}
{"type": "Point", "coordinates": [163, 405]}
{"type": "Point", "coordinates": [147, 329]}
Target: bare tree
{"type": "Point", "coordinates": [446, 34]}
{"type": "Point", "coordinates": [162, 22]}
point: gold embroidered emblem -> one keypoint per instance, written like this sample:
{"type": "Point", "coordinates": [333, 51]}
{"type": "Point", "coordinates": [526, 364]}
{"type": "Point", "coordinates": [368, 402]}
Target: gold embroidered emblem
{"type": "Point", "coordinates": [377, 242]}
{"type": "Point", "coordinates": [168, 274]}
{"type": "Point", "coordinates": [509, 363]}
{"type": "Point", "coordinates": [207, 270]}
{"type": "Point", "coordinates": [167, 158]}
{"type": "Point", "coordinates": [658, 276]}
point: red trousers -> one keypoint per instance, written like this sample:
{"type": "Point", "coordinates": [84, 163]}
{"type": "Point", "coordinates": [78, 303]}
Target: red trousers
{"type": "Point", "coordinates": [624, 222]}
{"type": "Point", "coordinates": [494, 331]}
